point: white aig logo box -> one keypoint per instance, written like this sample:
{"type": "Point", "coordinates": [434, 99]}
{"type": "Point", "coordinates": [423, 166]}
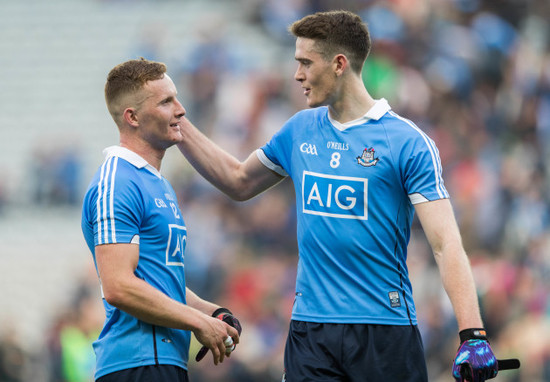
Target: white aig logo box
{"type": "Point", "coordinates": [335, 196]}
{"type": "Point", "coordinates": [175, 247]}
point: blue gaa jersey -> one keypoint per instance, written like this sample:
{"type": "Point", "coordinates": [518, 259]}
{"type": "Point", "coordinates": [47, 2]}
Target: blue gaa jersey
{"type": "Point", "coordinates": [128, 201]}
{"type": "Point", "coordinates": [355, 185]}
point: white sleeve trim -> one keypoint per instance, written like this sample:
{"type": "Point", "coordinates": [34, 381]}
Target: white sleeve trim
{"type": "Point", "coordinates": [135, 240]}
{"type": "Point", "coordinates": [269, 164]}
{"type": "Point", "coordinates": [417, 198]}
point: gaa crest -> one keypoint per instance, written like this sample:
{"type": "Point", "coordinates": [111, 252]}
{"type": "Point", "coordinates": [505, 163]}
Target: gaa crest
{"type": "Point", "coordinates": [367, 159]}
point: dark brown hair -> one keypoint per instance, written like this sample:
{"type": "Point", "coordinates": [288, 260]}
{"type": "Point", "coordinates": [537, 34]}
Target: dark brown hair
{"type": "Point", "coordinates": [336, 32]}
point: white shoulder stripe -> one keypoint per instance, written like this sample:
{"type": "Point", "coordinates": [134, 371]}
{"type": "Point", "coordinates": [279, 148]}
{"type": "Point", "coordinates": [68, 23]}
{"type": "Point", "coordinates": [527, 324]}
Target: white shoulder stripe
{"type": "Point", "coordinates": [112, 201]}
{"type": "Point", "coordinates": [104, 210]}
{"type": "Point", "coordinates": [98, 204]}
{"type": "Point", "coordinates": [105, 202]}
{"type": "Point", "coordinates": [436, 161]}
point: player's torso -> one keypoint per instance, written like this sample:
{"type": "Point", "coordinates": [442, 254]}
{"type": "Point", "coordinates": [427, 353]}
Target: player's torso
{"type": "Point", "coordinates": [163, 238]}
{"type": "Point", "coordinates": [143, 204]}
{"type": "Point", "coordinates": [353, 221]}
{"type": "Point", "coordinates": [349, 176]}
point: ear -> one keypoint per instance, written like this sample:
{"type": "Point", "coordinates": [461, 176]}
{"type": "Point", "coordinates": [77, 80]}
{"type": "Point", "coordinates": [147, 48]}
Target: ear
{"type": "Point", "coordinates": [340, 64]}
{"type": "Point", "coordinates": [130, 116]}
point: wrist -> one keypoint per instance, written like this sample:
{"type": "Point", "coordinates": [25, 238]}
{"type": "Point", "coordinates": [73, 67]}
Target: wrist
{"type": "Point", "coordinates": [472, 334]}
{"type": "Point", "coordinates": [221, 311]}
{"type": "Point", "coordinates": [195, 320]}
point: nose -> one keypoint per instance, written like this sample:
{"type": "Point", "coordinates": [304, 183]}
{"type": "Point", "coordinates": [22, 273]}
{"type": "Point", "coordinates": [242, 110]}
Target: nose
{"type": "Point", "coordinates": [180, 110]}
{"type": "Point", "coordinates": [299, 74]}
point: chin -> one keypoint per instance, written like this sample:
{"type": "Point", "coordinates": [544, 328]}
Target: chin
{"type": "Point", "coordinates": [311, 103]}
{"type": "Point", "coordinates": [314, 104]}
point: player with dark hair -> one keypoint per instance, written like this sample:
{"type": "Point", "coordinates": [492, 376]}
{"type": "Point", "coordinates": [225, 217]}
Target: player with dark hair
{"type": "Point", "coordinates": [136, 233]}
{"type": "Point", "coordinates": [360, 172]}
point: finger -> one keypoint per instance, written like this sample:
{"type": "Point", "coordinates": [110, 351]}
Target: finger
{"type": "Point", "coordinates": [222, 349]}
{"type": "Point", "coordinates": [479, 376]}
{"type": "Point", "coordinates": [233, 333]}
{"type": "Point", "coordinates": [216, 355]}
{"type": "Point", "coordinates": [466, 372]}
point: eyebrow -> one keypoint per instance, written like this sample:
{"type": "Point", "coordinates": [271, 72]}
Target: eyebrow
{"type": "Point", "coordinates": [167, 98]}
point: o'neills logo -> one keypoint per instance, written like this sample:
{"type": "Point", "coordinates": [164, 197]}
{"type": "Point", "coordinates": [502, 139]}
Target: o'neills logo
{"type": "Point", "coordinates": [337, 146]}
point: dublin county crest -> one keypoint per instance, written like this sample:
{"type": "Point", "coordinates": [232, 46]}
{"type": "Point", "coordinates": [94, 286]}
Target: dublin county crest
{"type": "Point", "coordinates": [367, 159]}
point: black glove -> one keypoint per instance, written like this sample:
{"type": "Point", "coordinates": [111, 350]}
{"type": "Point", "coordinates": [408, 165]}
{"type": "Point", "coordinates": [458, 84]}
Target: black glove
{"type": "Point", "coordinates": [226, 316]}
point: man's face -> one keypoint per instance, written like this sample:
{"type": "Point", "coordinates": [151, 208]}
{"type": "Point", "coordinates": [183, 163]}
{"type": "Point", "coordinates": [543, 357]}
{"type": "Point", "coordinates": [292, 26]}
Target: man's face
{"type": "Point", "coordinates": [160, 113]}
{"type": "Point", "coordinates": [315, 74]}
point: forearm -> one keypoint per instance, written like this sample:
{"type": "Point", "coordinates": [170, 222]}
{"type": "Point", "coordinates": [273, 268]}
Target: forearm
{"type": "Point", "coordinates": [211, 161]}
{"type": "Point", "coordinates": [458, 281]}
{"type": "Point", "coordinates": [148, 304]}
{"type": "Point", "coordinates": [442, 232]}
{"type": "Point", "coordinates": [239, 180]}
{"type": "Point", "coordinates": [198, 303]}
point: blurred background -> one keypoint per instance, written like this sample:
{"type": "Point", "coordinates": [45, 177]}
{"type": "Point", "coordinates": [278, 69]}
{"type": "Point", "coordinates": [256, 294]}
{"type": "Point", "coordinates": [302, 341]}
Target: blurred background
{"type": "Point", "coordinates": [473, 74]}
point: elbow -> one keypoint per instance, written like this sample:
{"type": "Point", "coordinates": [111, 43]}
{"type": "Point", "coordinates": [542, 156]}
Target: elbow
{"type": "Point", "coordinates": [450, 254]}
{"type": "Point", "coordinates": [241, 191]}
{"type": "Point", "coordinates": [240, 195]}
{"type": "Point", "coordinates": [438, 255]}
{"type": "Point", "coordinates": [113, 296]}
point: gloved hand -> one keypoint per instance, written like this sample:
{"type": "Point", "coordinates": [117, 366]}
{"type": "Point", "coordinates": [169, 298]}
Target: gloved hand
{"type": "Point", "coordinates": [226, 316]}
{"type": "Point", "coordinates": [474, 361]}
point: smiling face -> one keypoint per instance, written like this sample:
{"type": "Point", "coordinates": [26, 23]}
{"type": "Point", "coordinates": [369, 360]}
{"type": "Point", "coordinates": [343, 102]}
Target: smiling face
{"type": "Point", "coordinates": [315, 74]}
{"type": "Point", "coordinates": [159, 114]}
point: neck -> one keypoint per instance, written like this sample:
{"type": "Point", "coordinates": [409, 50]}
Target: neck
{"type": "Point", "coordinates": [151, 155]}
{"type": "Point", "coordinates": [353, 103]}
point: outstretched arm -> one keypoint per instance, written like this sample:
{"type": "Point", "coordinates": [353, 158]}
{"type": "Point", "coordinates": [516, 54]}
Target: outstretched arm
{"type": "Point", "coordinates": [239, 180]}
{"type": "Point", "coordinates": [439, 224]}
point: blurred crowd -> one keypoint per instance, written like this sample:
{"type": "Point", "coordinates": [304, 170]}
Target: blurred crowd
{"type": "Point", "coordinates": [473, 74]}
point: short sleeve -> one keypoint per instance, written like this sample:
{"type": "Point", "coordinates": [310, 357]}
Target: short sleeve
{"type": "Point", "coordinates": [422, 171]}
{"type": "Point", "coordinates": [116, 207]}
